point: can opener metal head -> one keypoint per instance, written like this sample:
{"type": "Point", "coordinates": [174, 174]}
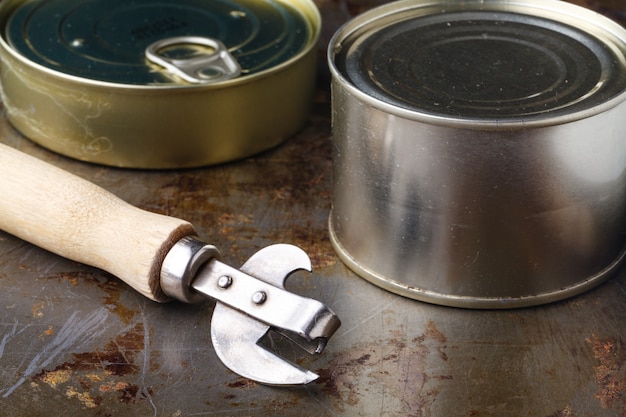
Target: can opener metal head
{"type": "Point", "coordinates": [251, 301]}
{"type": "Point", "coordinates": [161, 257]}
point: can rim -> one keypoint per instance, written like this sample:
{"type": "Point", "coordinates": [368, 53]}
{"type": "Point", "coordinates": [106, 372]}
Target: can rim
{"type": "Point", "coordinates": [468, 301]}
{"type": "Point", "coordinates": [312, 15]}
{"type": "Point", "coordinates": [553, 9]}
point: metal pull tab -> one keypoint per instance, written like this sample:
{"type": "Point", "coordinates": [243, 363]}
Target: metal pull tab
{"type": "Point", "coordinates": [210, 65]}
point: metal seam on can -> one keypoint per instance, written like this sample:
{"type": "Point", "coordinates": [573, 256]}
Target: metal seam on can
{"type": "Point", "coordinates": [452, 300]}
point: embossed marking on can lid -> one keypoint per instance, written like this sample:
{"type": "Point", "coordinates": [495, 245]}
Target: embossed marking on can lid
{"type": "Point", "coordinates": [106, 40]}
{"type": "Point", "coordinates": [476, 63]}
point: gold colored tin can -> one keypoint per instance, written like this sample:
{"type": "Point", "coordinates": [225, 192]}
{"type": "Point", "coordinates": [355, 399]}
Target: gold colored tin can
{"type": "Point", "coordinates": [171, 84]}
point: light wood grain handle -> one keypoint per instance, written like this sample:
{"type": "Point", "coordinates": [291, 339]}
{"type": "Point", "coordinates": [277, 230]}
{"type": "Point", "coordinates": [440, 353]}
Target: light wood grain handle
{"type": "Point", "coordinates": [78, 220]}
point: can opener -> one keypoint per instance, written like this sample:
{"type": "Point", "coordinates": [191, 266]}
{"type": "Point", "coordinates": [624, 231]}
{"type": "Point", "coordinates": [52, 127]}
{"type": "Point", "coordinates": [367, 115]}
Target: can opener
{"type": "Point", "coordinates": [162, 258]}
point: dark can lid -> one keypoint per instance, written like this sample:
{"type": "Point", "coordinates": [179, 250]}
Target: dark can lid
{"type": "Point", "coordinates": [144, 42]}
{"type": "Point", "coordinates": [485, 60]}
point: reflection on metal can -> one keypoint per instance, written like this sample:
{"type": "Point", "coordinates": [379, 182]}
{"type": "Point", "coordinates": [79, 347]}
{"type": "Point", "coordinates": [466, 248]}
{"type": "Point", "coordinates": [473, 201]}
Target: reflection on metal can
{"type": "Point", "coordinates": [158, 84]}
{"type": "Point", "coordinates": [480, 149]}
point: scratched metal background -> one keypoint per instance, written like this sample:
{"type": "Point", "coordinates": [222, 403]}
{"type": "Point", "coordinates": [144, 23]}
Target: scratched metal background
{"type": "Point", "coordinates": [76, 342]}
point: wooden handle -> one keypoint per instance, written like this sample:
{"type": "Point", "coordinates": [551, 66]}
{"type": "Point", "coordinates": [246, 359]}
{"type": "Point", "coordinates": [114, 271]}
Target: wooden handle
{"type": "Point", "coordinates": [76, 219]}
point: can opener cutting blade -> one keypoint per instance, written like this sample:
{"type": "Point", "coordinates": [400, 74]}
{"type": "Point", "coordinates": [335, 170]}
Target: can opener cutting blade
{"type": "Point", "coordinates": [162, 258]}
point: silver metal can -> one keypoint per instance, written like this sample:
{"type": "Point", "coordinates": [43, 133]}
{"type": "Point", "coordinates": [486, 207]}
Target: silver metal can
{"type": "Point", "coordinates": [167, 84]}
{"type": "Point", "coordinates": [480, 150]}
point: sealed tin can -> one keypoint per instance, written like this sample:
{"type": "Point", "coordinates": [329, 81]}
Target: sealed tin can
{"type": "Point", "coordinates": [164, 84]}
{"type": "Point", "coordinates": [479, 149]}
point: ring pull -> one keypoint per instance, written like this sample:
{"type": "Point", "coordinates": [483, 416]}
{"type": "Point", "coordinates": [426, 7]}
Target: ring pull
{"type": "Point", "coordinates": [210, 64]}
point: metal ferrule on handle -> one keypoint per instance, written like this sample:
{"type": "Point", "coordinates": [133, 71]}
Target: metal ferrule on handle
{"type": "Point", "coordinates": [181, 265]}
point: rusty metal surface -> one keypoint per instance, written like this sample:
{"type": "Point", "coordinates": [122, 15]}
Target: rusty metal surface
{"type": "Point", "coordinates": [75, 341]}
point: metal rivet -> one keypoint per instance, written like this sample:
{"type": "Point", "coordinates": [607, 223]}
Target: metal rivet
{"type": "Point", "coordinates": [259, 297]}
{"type": "Point", "coordinates": [224, 281]}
